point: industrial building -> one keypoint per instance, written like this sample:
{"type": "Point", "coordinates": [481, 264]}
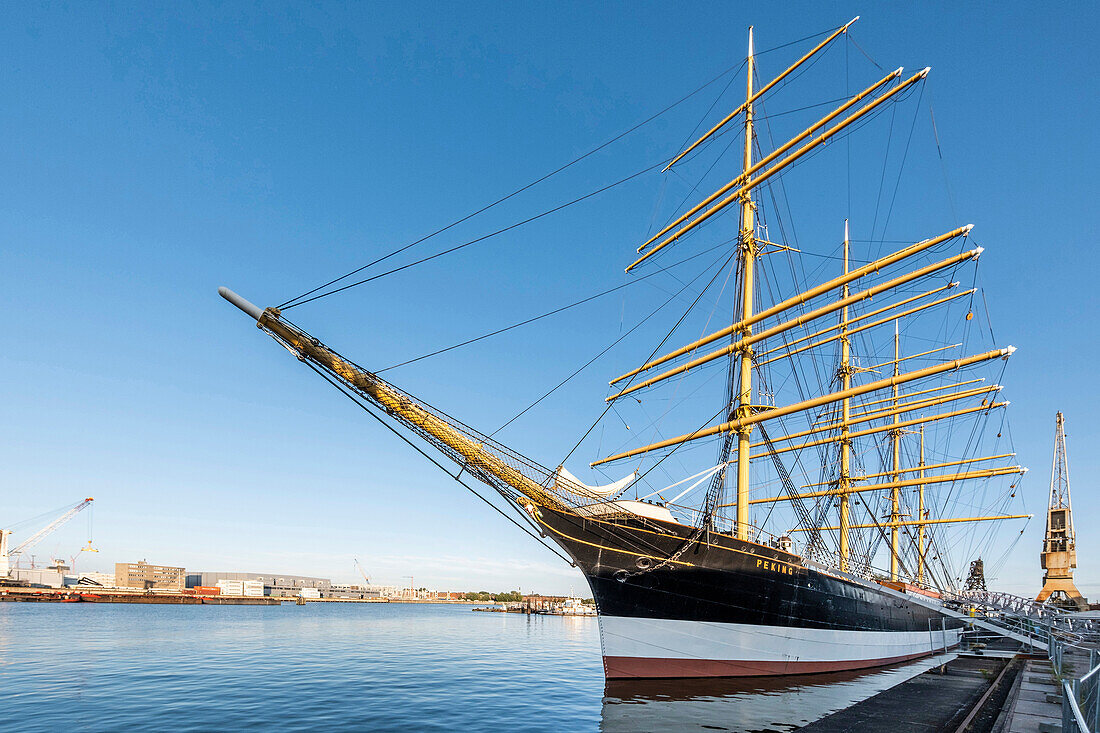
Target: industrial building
{"type": "Point", "coordinates": [143, 575]}
{"type": "Point", "coordinates": [273, 583]}
{"type": "Point", "coordinates": [355, 592]}
{"type": "Point", "coordinates": [105, 580]}
{"type": "Point", "coordinates": [39, 577]}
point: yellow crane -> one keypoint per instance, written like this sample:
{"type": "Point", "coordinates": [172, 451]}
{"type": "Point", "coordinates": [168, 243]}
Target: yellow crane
{"type": "Point", "coordinates": [1059, 556]}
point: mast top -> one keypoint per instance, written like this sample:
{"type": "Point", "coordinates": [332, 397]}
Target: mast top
{"type": "Point", "coordinates": [753, 97]}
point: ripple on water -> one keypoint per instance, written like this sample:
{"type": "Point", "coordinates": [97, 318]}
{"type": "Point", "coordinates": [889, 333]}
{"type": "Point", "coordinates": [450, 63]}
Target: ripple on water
{"type": "Point", "coordinates": [113, 667]}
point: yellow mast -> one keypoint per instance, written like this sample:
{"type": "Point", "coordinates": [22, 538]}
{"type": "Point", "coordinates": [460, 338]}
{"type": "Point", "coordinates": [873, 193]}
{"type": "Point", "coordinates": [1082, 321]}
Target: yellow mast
{"type": "Point", "coordinates": [787, 353]}
{"type": "Point", "coordinates": [748, 259]}
{"type": "Point", "coordinates": [776, 168]}
{"type": "Point", "coordinates": [886, 428]}
{"type": "Point", "coordinates": [845, 481]}
{"type": "Point", "coordinates": [734, 426]}
{"type": "Point", "coordinates": [870, 314]}
{"type": "Point", "coordinates": [918, 469]}
{"type": "Point", "coordinates": [748, 338]}
{"type": "Point", "coordinates": [915, 523]}
{"type": "Point", "coordinates": [895, 494]}
{"type": "Point", "coordinates": [753, 97]}
{"type": "Point", "coordinates": [920, 515]}
{"type": "Point", "coordinates": [498, 466]}
{"type": "Point", "coordinates": [946, 478]}
{"type": "Point", "coordinates": [814, 292]}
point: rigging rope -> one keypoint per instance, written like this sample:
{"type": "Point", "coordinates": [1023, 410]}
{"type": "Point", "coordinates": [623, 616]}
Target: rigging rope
{"type": "Point", "coordinates": [901, 167]}
{"type": "Point", "coordinates": [608, 348]}
{"type": "Point", "coordinates": [449, 250]}
{"type": "Point", "coordinates": [653, 353]}
{"type": "Point", "coordinates": [814, 531]}
{"type": "Point", "coordinates": [304, 297]}
{"type": "Point", "coordinates": [547, 314]}
{"type": "Point", "coordinates": [440, 466]}
{"type": "Point", "coordinates": [785, 478]}
{"type": "Point", "coordinates": [852, 40]}
{"type": "Point", "coordinates": [287, 304]}
{"type": "Point", "coordinates": [943, 163]}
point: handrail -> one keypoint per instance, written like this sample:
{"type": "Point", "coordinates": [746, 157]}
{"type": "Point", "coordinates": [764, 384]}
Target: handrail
{"type": "Point", "coordinates": [1091, 672]}
{"type": "Point", "coordinates": [1082, 692]}
{"type": "Point", "coordinates": [1068, 699]}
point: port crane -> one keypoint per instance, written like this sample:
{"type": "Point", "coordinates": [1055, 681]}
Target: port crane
{"type": "Point", "coordinates": [362, 571]}
{"type": "Point", "coordinates": [1059, 556]}
{"type": "Point", "coordinates": [83, 548]}
{"type": "Point", "coordinates": [7, 557]}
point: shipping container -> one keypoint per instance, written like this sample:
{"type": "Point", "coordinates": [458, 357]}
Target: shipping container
{"type": "Point", "coordinates": [207, 590]}
{"type": "Point", "coordinates": [231, 587]}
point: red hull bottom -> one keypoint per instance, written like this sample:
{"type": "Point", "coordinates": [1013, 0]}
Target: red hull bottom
{"type": "Point", "coordinates": [642, 667]}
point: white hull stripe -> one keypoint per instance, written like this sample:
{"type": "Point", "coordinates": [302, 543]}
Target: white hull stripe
{"type": "Point", "coordinates": [701, 640]}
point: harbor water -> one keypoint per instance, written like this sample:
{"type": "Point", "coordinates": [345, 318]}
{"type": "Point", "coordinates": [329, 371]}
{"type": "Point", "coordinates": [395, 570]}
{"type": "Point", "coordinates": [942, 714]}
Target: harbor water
{"type": "Point", "coordinates": [108, 667]}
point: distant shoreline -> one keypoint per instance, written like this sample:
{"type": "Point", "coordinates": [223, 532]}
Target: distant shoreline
{"type": "Point", "coordinates": [163, 597]}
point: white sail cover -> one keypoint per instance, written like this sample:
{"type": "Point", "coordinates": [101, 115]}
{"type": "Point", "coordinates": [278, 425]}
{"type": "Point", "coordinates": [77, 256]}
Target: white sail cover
{"type": "Point", "coordinates": [571, 483]}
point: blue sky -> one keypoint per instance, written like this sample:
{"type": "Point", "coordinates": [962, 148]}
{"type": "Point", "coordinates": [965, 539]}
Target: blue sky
{"type": "Point", "coordinates": [153, 153]}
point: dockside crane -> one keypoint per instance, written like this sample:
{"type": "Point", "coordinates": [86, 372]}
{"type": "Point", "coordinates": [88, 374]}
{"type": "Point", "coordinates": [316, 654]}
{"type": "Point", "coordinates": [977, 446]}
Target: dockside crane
{"type": "Point", "coordinates": [84, 548]}
{"type": "Point", "coordinates": [8, 557]}
{"type": "Point", "coordinates": [1059, 556]}
{"type": "Point", "coordinates": [362, 571]}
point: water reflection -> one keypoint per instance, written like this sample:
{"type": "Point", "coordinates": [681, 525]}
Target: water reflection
{"type": "Point", "coordinates": [756, 704]}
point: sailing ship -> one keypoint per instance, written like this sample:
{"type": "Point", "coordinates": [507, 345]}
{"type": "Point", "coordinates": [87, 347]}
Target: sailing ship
{"type": "Point", "coordinates": [696, 584]}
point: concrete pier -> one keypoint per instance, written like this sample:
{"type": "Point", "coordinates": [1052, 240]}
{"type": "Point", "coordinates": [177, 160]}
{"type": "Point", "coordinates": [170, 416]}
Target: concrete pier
{"type": "Point", "coordinates": [1036, 702]}
{"type": "Point", "coordinates": [941, 699]}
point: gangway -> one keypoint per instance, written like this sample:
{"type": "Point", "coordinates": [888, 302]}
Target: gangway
{"type": "Point", "coordinates": [1018, 618]}
{"type": "Point", "coordinates": [1019, 606]}
{"type": "Point", "coordinates": [1019, 611]}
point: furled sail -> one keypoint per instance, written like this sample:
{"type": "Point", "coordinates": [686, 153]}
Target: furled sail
{"type": "Point", "coordinates": [565, 480]}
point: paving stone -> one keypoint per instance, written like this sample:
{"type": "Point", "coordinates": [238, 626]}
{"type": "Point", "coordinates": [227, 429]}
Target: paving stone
{"type": "Point", "coordinates": [1031, 707]}
{"type": "Point", "coordinates": [924, 704]}
{"type": "Point", "coordinates": [1029, 723]}
{"type": "Point", "coordinates": [1034, 695]}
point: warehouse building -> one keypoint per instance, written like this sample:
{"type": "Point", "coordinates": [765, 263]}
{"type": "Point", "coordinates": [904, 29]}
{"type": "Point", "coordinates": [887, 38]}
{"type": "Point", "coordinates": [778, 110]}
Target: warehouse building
{"type": "Point", "coordinates": [143, 575]}
{"type": "Point", "coordinates": [100, 580]}
{"type": "Point", "coordinates": [39, 577]}
{"type": "Point", "coordinates": [273, 583]}
{"type": "Point", "coordinates": [354, 592]}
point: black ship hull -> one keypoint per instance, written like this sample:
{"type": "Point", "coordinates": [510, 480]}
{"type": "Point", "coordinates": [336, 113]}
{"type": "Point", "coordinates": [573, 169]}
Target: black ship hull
{"type": "Point", "coordinates": [725, 607]}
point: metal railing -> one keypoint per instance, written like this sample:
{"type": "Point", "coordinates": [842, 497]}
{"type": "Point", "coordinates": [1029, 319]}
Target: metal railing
{"type": "Point", "coordinates": [938, 639]}
{"type": "Point", "coordinates": [977, 640]}
{"type": "Point", "coordinates": [1056, 654]}
{"type": "Point", "coordinates": [1037, 622]}
{"type": "Point", "coordinates": [1020, 606]}
{"type": "Point", "coordinates": [1080, 697]}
